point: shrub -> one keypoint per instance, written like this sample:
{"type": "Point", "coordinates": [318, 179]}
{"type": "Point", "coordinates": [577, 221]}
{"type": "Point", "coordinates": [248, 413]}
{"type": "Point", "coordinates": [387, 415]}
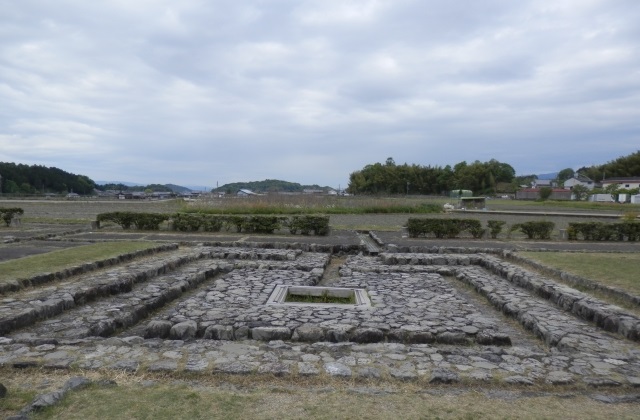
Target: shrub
{"type": "Point", "coordinates": [545, 193]}
{"type": "Point", "coordinates": [537, 229]}
{"type": "Point", "coordinates": [149, 221]}
{"type": "Point", "coordinates": [235, 221]}
{"type": "Point", "coordinates": [191, 222]}
{"type": "Point", "coordinates": [601, 231]}
{"type": "Point", "coordinates": [122, 218]}
{"type": "Point", "coordinates": [495, 227]}
{"type": "Point", "coordinates": [146, 221]}
{"type": "Point", "coordinates": [212, 223]}
{"type": "Point", "coordinates": [7, 214]}
{"type": "Point", "coordinates": [474, 227]}
{"type": "Point", "coordinates": [444, 228]}
{"type": "Point", "coordinates": [319, 225]}
{"type": "Point", "coordinates": [187, 222]}
{"type": "Point", "coordinates": [263, 224]}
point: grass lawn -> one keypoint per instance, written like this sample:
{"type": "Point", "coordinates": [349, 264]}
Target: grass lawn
{"type": "Point", "coordinates": [59, 260]}
{"type": "Point", "coordinates": [617, 270]}
{"type": "Point", "coordinates": [406, 402]}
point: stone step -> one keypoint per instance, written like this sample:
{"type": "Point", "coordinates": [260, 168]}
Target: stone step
{"type": "Point", "coordinates": [370, 245]}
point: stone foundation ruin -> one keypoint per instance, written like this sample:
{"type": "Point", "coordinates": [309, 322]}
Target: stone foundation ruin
{"type": "Point", "coordinates": [442, 315]}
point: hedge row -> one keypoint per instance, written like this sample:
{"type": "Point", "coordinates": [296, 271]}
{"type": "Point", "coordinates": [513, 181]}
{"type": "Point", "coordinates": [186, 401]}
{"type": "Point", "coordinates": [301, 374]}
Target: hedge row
{"type": "Point", "coordinates": [535, 229]}
{"type": "Point", "coordinates": [6, 214]}
{"type": "Point", "coordinates": [143, 221]}
{"type": "Point", "coordinates": [451, 228]}
{"type": "Point", "coordinates": [193, 222]}
{"type": "Point", "coordinates": [601, 231]}
{"type": "Point", "coordinates": [444, 228]}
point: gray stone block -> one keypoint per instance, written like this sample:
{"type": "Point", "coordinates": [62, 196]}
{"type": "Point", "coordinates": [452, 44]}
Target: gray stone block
{"type": "Point", "coordinates": [337, 369]}
{"type": "Point", "coordinates": [309, 333]}
{"type": "Point", "coordinates": [270, 333]}
{"type": "Point", "coordinates": [184, 330]}
{"type": "Point", "coordinates": [443, 376]}
{"type": "Point", "coordinates": [219, 332]}
{"type": "Point", "coordinates": [158, 329]}
{"type": "Point", "coordinates": [367, 335]}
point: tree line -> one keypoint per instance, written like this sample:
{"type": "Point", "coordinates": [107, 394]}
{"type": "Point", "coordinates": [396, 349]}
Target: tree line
{"type": "Point", "coordinates": [34, 179]}
{"type": "Point", "coordinates": [625, 166]}
{"type": "Point", "coordinates": [389, 178]}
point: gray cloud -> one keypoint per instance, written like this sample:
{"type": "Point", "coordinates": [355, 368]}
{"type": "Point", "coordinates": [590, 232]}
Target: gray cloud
{"type": "Point", "coordinates": [199, 92]}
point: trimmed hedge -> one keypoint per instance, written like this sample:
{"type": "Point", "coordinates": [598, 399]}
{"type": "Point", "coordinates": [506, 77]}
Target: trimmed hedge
{"type": "Point", "coordinates": [495, 227]}
{"type": "Point", "coordinates": [444, 228]}
{"type": "Point", "coordinates": [601, 231]}
{"type": "Point", "coordinates": [535, 229]}
{"type": "Point", "coordinates": [6, 214]}
{"type": "Point", "coordinates": [319, 225]}
{"type": "Point", "coordinates": [193, 222]}
{"type": "Point", "coordinates": [142, 221]}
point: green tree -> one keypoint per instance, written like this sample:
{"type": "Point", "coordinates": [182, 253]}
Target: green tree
{"type": "Point", "coordinates": [565, 174]}
{"type": "Point", "coordinates": [545, 193]}
{"type": "Point", "coordinates": [11, 187]}
{"type": "Point", "coordinates": [613, 190]}
{"type": "Point", "coordinates": [580, 191]}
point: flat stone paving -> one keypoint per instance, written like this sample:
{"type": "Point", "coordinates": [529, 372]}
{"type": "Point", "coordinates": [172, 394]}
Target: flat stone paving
{"type": "Point", "coordinates": [435, 318]}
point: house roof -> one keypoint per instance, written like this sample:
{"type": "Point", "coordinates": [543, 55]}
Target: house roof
{"type": "Point", "coordinates": [621, 179]}
{"type": "Point", "coordinates": [538, 190]}
{"type": "Point", "coordinates": [581, 178]}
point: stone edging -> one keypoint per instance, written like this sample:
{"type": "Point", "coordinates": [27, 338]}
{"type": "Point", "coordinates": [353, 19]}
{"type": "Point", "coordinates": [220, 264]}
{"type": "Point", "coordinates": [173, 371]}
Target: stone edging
{"type": "Point", "coordinates": [18, 284]}
{"type": "Point", "coordinates": [606, 316]}
{"type": "Point", "coordinates": [573, 279]}
{"type": "Point", "coordinates": [44, 237]}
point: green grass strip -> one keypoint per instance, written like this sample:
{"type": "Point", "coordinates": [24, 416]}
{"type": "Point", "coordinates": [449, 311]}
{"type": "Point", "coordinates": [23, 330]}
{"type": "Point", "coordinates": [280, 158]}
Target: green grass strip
{"type": "Point", "coordinates": [58, 260]}
{"type": "Point", "coordinates": [616, 270]}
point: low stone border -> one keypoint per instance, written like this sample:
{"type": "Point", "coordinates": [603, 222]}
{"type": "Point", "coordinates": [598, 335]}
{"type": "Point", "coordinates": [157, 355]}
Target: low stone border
{"type": "Point", "coordinates": [18, 284]}
{"type": "Point", "coordinates": [572, 278]}
{"type": "Point", "coordinates": [606, 316]}
{"type": "Point", "coordinates": [43, 237]}
{"type": "Point", "coordinates": [609, 317]}
{"type": "Point", "coordinates": [304, 247]}
{"type": "Point", "coordinates": [50, 399]}
{"type": "Point", "coordinates": [20, 313]}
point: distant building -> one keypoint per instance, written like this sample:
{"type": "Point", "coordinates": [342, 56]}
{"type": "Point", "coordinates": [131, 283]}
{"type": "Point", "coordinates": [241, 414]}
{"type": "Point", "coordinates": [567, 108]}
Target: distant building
{"type": "Point", "coordinates": [534, 194]}
{"type": "Point", "coordinates": [626, 183]}
{"type": "Point", "coordinates": [245, 193]}
{"type": "Point", "coordinates": [579, 180]}
{"type": "Point", "coordinates": [539, 183]}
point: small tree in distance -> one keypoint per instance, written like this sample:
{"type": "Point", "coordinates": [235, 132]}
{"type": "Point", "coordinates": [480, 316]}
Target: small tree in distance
{"type": "Point", "coordinates": [580, 191]}
{"type": "Point", "coordinates": [545, 193]}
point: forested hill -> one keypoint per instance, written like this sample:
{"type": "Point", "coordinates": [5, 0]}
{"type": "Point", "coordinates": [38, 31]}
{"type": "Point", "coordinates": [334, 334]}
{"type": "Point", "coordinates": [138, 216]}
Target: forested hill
{"type": "Point", "coordinates": [626, 166]}
{"type": "Point", "coordinates": [26, 179]}
{"type": "Point", "coordinates": [268, 185]}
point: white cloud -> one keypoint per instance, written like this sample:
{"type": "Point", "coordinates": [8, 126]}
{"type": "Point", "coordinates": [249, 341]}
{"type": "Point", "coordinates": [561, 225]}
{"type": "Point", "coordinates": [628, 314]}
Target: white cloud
{"type": "Point", "coordinates": [164, 91]}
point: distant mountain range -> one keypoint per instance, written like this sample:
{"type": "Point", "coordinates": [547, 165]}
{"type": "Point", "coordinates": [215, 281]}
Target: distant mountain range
{"type": "Point", "coordinates": [269, 185]}
{"type": "Point", "coordinates": [172, 187]}
{"type": "Point", "coordinates": [552, 175]}
{"type": "Point", "coordinates": [128, 184]}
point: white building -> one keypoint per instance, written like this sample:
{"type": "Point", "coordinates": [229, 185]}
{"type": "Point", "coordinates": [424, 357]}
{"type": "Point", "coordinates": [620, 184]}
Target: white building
{"type": "Point", "coordinates": [579, 180]}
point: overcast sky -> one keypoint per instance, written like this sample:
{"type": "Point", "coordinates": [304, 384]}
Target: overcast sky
{"type": "Point", "coordinates": [209, 91]}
